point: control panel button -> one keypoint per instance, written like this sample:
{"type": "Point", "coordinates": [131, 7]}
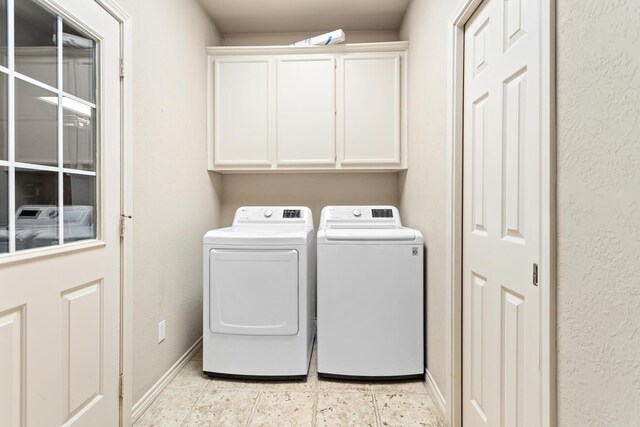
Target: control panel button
{"type": "Point", "coordinates": [356, 212]}
{"type": "Point", "coordinates": [268, 213]}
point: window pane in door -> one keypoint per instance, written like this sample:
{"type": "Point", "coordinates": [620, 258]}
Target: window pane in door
{"type": "Point", "coordinates": [36, 209]}
{"type": "Point", "coordinates": [78, 135]}
{"type": "Point", "coordinates": [79, 205]}
{"type": "Point", "coordinates": [78, 64]}
{"type": "Point", "coordinates": [35, 42]}
{"type": "Point", "coordinates": [4, 130]}
{"type": "Point", "coordinates": [3, 33]}
{"type": "Point", "coordinates": [4, 210]}
{"type": "Point", "coordinates": [36, 124]}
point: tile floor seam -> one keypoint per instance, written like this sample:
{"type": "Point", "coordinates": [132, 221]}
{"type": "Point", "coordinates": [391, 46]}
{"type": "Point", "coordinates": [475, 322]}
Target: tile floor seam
{"type": "Point", "coordinates": [202, 393]}
{"type": "Point", "coordinates": [376, 411]}
{"type": "Point", "coordinates": [255, 406]}
{"type": "Point", "coordinates": [314, 415]}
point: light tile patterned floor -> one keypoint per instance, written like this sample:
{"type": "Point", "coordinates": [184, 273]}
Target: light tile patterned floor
{"type": "Point", "coordinates": [193, 399]}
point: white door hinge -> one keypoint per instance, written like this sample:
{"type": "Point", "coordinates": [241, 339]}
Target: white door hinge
{"type": "Point", "coordinates": [121, 385]}
{"type": "Point", "coordinates": [123, 224]}
{"type": "Point", "coordinates": [121, 67]}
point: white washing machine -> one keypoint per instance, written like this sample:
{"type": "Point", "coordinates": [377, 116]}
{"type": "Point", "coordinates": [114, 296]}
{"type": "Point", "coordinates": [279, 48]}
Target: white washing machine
{"type": "Point", "coordinates": [259, 294]}
{"type": "Point", "coordinates": [370, 295]}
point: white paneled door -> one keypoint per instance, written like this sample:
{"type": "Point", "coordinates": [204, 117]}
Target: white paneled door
{"type": "Point", "coordinates": [501, 213]}
{"type": "Point", "coordinates": [59, 214]}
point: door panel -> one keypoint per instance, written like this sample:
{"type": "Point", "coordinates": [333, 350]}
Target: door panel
{"type": "Point", "coordinates": [12, 355]}
{"type": "Point", "coordinates": [253, 292]}
{"type": "Point", "coordinates": [513, 157]}
{"type": "Point", "coordinates": [501, 378]}
{"type": "Point", "coordinates": [81, 329]}
{"type": "Point", "coordinates": [477, 354]}
{"type": "Point", "coordinates": [60, 305]}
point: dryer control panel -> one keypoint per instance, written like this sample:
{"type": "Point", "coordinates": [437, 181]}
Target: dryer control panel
{"type": "Point", "coordinates": [295, 215]}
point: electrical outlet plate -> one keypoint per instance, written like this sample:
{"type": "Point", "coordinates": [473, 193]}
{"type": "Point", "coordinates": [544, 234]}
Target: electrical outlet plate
{"type": "Point", "coordinates": [162, 331]}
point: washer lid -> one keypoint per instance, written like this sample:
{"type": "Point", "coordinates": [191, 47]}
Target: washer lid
{"type": "Point", "coordinates": [247, 235]}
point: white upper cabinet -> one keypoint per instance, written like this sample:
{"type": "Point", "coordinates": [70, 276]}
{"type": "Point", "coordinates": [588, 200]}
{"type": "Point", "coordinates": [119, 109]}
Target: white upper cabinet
{"type": "Point", "coordinates": [369, 109]}
{"type": "Point", "coordinates": [333, 108]}
{"type": "Point", "coordinates": [305, 114]}
{"type": "Point", "coordinates": [241, 112]}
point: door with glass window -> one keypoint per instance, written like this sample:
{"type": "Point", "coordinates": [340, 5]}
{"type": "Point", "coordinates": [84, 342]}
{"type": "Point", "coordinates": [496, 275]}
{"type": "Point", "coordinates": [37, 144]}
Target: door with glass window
{"type": "Point", "coordinates": [60, 192]}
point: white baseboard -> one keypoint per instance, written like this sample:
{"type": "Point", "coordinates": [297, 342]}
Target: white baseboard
{"type": "Point", "coordinates": [436, 394]}
{"type": "Point", "coordinates": [151, 395]}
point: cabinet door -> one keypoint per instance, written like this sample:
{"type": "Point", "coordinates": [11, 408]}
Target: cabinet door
{"type": "Point", "coordinates": [305, 122]}
{"type": "Point", "coordinates": [241, 121]}
{"type": "Point", "coordinates": [369, 94]}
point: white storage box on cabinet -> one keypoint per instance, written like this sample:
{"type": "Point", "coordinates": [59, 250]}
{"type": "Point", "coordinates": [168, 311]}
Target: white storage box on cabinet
{"type": "Point", "coordinates": [333, 108]}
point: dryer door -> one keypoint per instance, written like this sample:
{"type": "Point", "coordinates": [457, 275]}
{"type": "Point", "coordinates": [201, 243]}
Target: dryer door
{"type": "Point", "coordinates": [253, 292]}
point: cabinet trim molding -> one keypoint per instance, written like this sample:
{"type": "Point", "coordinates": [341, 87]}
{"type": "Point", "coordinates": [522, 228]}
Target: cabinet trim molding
{"type": "Point", "coordinates": [280, 50]}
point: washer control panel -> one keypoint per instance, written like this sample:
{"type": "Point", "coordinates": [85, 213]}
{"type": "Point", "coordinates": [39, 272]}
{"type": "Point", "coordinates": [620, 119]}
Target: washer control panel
{"type": "Point", "coordinates": [360, 214]}
{"type": "Point", "coordinates": [273, 214]}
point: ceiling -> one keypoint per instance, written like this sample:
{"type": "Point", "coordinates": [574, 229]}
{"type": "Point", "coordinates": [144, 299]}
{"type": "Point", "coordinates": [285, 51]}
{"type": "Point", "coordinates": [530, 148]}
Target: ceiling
{"type": "Point", "coordinates": [277, 16]}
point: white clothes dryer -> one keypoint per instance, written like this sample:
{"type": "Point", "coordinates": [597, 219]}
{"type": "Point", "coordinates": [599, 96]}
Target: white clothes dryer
{"type": "Point", "coordinates": [370, 295]}
{"type": "Point", "coordinates": [259, 294]}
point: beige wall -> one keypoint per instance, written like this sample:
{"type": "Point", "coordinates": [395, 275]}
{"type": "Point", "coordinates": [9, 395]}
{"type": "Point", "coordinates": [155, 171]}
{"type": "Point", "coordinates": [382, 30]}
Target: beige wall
{"type": "Point", "coordinates": [175, 199]}
{"type": "Point", "coordinates": [277, 39]}
{"type": "Point", "coordinates": [423, 187]}
{"type": "Point", "coordinates": [598, 100]}
{"type": "Point", "coordinates": [312, 190]}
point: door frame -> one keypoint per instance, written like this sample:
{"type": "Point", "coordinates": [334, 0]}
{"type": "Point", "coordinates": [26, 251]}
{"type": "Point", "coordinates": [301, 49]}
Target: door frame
{"type": "Point", "coordinates": [126, 205]}
{"type": "Point", "coordinates": [453, 260]}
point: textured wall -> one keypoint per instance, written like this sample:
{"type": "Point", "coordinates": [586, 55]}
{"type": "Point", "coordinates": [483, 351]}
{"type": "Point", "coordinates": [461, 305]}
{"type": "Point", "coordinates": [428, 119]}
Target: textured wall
{"type": "Point", "coordinates": [175, 199]}
{"type": "Point", "coordinates": [423, 187]}
{"type": "Point", "coordinates": [598, 93]}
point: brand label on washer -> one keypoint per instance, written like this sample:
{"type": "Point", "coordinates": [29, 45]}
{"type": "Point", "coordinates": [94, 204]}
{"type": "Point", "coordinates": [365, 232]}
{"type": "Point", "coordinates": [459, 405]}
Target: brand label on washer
{"type": "Point", "coordinates": [414, 251]}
